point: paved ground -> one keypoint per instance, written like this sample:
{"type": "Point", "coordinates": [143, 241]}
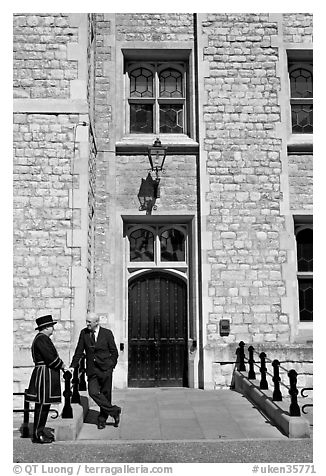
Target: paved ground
{"type": "Point", "coordinates": [174, 425]}
{"type": "Point", "coordinates": [207, 451]}
{"type": "Point", "coordinates": [181, 414]}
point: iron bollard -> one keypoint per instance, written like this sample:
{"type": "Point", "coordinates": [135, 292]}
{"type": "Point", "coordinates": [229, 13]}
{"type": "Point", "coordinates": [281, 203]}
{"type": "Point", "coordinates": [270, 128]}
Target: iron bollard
{"type": "Point", "coordinates": [263, 382]}
{"type": "Point", "coordinates": [294, 407]}
{"type": "Point", "coordinates": [277, 395]}
{"type": "Point", "coordinates": [240, 356]}
{"type": "Point", "coordinates": [251, 373]}
{"type": "Point", "coordinates": [67, 409]}
{"type": "Point", "coordinates": [25, 426]}
{"type": "Point", "coordinates": [82, 373]}
{"type": "Point", "coordinates": [75, 382]}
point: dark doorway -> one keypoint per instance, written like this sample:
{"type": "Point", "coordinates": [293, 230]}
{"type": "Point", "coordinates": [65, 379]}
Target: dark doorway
{"type": "Point", "coordinates": [157, 327]}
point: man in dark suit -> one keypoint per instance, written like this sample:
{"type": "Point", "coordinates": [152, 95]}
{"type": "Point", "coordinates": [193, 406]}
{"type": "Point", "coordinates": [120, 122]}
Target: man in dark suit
{"type": "Point", "coordinates": [101, 358]}
{"type": "Point", "coordinates": [44, 386]}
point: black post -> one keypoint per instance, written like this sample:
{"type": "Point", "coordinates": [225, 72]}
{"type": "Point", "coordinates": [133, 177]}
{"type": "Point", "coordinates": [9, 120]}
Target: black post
{"type": "Point", "coordinates": [75, 382]}
{"type": "Point", "coordinates": [277, 395]}
{"type": "Point", "coordinates": [251, 373]}
{"type": "Point", "coordinates": [82, 373]}
{"type": "Point", "coordinates": [240, 356]}
{"type": "Point", "coordinates": [263, 382]}
{"type": "Point", "coordinates": [294, 407]}
{"type": "Point", "coordinates": [67, 409]}
{"type": "Point", "coordinates": [25, 427]}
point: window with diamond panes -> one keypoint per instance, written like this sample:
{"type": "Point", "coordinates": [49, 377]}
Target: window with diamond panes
{"type": "Point", "coordinates": [141, 245]}
{"type": "Point", "coordinates": [157, 98]}
{"type": "Point", "coordinates": [301, 85]}
{"type": "Point", "coordinates": [305, 268]}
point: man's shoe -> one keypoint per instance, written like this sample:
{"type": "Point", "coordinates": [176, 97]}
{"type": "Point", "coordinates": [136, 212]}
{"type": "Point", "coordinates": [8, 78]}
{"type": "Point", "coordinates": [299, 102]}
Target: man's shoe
{"type": "Point", "coordinates": [101, 425]}
{"type": "Point", "coordinates": [42, 439]}
{"type": "Point", "coordinates": [49, 433]}
{"type": "Point", "coordinates": [117, 418]}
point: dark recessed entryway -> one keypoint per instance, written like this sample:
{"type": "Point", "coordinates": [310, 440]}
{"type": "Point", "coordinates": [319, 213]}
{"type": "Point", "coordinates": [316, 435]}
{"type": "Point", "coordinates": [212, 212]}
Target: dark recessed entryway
{"type": "Point", "coordinates": [157, 331]}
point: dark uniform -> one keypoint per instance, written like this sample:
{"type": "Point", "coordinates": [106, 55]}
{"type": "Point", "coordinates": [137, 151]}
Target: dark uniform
{"type": "Point", "coordinates": [44, 386]}
{"type": "Point", "coordinates": [101, 358]}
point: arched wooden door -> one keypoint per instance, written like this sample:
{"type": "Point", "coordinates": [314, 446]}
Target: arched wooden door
{"type": "Point", "coordinates": [157, 331]}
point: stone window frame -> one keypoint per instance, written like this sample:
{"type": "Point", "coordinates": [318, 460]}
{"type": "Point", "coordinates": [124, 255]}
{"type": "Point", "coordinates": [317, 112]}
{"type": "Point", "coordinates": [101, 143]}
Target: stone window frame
{"type": "Point", "coordinates": [138, 143]}
{"type": "Point", "coordinates": [296, 142]}
{"type": "Point", "coordinates": [300, 224]}
{"type": "Point", "coordinates": [156, 67]}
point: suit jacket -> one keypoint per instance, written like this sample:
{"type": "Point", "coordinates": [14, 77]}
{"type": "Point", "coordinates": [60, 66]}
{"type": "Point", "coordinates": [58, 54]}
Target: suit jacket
{"type": "Point", "coordinates": [44, 385]}
{"type": "Point", "coordinates": [103, 355]}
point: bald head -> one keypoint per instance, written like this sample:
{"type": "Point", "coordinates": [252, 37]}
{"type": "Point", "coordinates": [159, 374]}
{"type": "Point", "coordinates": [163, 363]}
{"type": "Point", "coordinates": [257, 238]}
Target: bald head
{"type": "Point", "coordinates": [92, 321]}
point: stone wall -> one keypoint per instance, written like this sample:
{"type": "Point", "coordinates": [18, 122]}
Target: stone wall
{"type": "Point", "coordinates": [301, 182]}
{"type": "Point", "coordinates": [50, 167]}
{"type": "Point", "coordinates": [41, 65]}
{"type": "Point", "coordinates": [243, 167]}
{"type": "Point", "coordinates": [154, 27]}
{"type": "Point", "coordinates": [42, 180]}
{"type": "Point", "coordinates": [297, 27]}
{"type": "Point", "coordinates": [177, 186]}
{"type": "Point", "coordinates": [43, 146]}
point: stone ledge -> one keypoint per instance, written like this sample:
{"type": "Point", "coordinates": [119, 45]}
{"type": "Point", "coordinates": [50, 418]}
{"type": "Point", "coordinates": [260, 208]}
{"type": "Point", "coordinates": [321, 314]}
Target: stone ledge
{"type": "Point", "coordinates": [293, 427]}
{"type": "Point", "coordinates": [50, 106]}
{"type": "Point", "coordinates": [67, 429]}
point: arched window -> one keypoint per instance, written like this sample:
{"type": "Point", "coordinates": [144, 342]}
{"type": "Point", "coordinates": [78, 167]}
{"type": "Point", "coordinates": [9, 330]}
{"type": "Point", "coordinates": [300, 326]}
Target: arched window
{"type": "Point", "coordinates": [304, 237]}
{"type": "Point", "coordinates": [172, 244]}
{"type": "Point", "coordinates": [157, 245]}
{"type": "Point", "coordinates": [141, 245]}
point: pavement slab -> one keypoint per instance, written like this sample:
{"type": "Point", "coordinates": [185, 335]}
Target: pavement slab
{"type": "Point", "coordinates": [180, 414]}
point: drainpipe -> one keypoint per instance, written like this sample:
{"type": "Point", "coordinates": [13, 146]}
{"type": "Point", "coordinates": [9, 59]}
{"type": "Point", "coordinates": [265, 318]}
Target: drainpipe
{"type": "Point", "coordinates": [198, 185]}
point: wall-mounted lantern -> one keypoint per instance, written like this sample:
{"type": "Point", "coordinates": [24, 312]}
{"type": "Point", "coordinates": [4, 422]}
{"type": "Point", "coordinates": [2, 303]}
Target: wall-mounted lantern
{"type": "Point", "coordinates": [148, 193]}
{"type": "Point", "coordinates": [149, 189]}
{"type": "Point", "coordinates": [156, 156]}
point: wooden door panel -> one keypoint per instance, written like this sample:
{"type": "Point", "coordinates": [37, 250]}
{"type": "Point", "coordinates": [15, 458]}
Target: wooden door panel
{"type": "Point", "coordinates": [157, 331]}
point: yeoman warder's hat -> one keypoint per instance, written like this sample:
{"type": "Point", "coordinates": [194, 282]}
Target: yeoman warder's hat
{"type": "Point", "coordinates": [44, 321]}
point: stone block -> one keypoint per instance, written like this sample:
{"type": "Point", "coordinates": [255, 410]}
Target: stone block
{"type": "Point", "coordinates": [67, 429]}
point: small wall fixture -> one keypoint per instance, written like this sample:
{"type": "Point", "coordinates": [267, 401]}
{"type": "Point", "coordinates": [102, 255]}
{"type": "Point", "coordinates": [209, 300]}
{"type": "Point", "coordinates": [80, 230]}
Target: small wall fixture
{"type": "Point", "coordinates": [224, 327]}
{"type": "Point", "coordinates": [148, 193]}
{"type": "Point", "coordinates": [149, 189]}
{"type": "Point", "coordinates": [156, 156]}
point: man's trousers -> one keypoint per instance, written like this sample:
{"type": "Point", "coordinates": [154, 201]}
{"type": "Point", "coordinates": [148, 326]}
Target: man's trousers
{"type": "Point", "coordinates": [100, 390]}
{"type": "Point", "coordinates": [41, 411]}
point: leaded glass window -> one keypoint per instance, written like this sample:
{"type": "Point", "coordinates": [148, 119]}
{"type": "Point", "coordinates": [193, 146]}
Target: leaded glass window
{"type": "Point", "coordinates": [172, 245]}
{"type": "Point", "coordinates": [171, 83]}
{"type": "Point", "coordinates": [141, 83]}
{"type": "Point", "coordinates": [141, 118]}
{"type": "Point", "coordinates": [304, 249]}
{"type": "Point", "coordinates": [306, 299]}
{"type": "Point", "coordinates": [304, 237]}
{"type": "Point", "coordinates": [301, 86]}
{"type": "Point", "coordinates": [141, 245]}
{"type": "Point", "coordinates": [157, 99]}
{"type": "Point", "coordinates": [156, 245]}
